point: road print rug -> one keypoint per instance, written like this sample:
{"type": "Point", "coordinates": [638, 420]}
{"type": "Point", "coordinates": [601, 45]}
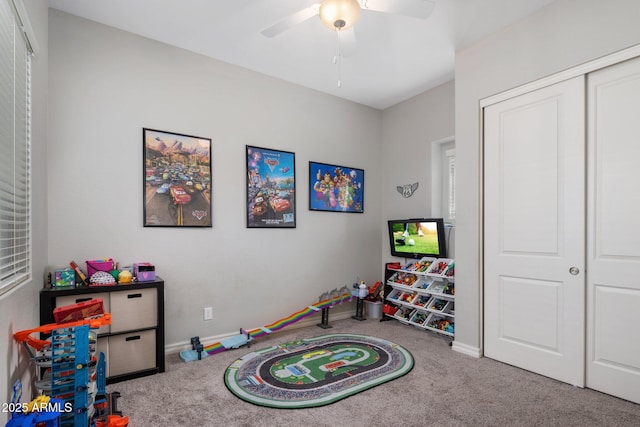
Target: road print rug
{"type": "Point", "coordinates": [316, 371]}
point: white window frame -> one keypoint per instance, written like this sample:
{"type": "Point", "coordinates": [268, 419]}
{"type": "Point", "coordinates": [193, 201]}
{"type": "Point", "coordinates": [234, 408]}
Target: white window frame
{"type": "Point", "coordinates": [442, 189]}
{"type": "Point", "coordinates": [17, 45]}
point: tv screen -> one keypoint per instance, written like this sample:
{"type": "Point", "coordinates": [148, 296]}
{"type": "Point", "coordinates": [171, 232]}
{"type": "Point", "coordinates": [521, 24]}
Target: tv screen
{"type": "Point", "coordinates": [417, 238]}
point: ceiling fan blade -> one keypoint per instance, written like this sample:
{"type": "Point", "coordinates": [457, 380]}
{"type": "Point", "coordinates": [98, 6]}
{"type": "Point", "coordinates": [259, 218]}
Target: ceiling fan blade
{"type": "Point", "coordinates": [348, 43]}
{"type": "Point", "coordinates": [414, 8]}
{"type": "Point", "coordinates": [291, 21]}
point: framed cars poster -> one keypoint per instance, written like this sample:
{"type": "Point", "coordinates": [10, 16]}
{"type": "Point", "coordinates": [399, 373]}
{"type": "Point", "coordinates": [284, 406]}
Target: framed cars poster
{"type": "Point", "coordinates": [177, 179]}
{"type": "Point", "coordinates": [271, 188]}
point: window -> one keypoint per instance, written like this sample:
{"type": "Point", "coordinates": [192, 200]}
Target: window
{"type": "Point", "coordinates": [443, 179]}
{"type": "Point", "coordinates": [15, 146]}
{"type": "Point", "coordinates": [449, 182]}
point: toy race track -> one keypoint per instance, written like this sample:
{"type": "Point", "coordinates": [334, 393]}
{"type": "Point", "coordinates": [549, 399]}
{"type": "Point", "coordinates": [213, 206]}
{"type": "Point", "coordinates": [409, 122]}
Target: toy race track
{"type": "Point", "coordinates": [326, 301]}
{"type": "Point", "coordinates": [316, 371]}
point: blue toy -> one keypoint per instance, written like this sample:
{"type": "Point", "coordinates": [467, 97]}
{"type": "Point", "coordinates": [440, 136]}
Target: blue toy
{"type": "Point", "coordinates": [197, 351]}
{"type": "Point", "coordinates": [41, 411]}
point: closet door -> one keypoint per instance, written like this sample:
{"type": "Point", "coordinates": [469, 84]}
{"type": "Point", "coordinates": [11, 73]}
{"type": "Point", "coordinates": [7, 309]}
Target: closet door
{"type": "Point", "coordinates": [534, 223]}
{"type": "Point", "coordinates": [613, 281]}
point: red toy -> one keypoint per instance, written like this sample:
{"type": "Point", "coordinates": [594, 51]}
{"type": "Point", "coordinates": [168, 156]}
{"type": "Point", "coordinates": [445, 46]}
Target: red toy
{"type": "Point", "coordinates": [374, 289]}
{"type": "Point", "coordinates": [81, 310]}
{"type": "Point", "coordinates": [80, 274]}
{"type": "Point", "coordinates": [393, 266]}
{"type": "Point", "coordinates": [389, 309]}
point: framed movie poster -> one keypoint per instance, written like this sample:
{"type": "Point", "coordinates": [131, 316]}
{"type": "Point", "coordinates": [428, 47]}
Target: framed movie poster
{"type": "Point", "coordinates": [177, 179]}
{"type": "Point", "coordinates": [335, 188]}
{"type": "Point", "coordinates": [271, 188]}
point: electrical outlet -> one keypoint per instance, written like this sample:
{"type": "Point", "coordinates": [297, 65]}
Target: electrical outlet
{"type": "Point", "coordinates": [208, 313]}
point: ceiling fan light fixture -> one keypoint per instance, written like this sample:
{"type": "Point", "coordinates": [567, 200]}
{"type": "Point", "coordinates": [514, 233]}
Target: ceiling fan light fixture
{"type": "Point", "coordinates": [339, 14]}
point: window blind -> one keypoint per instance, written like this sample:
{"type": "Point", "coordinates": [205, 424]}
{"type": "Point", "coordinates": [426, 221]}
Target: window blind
{"type": "Point", "coordinates": [15, 151]}
{"type": "Point", "coordinates": [451, 170]}
{"type": "Point", "coordinates": [448, 181]}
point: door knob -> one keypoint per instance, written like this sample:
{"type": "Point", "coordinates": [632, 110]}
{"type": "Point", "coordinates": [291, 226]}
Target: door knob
{"type": "Point", "coordinates": [574, 270]}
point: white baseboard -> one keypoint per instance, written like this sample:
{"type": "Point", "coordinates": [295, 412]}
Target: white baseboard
{"type": "Point", "coordinates": [466, 349]}
{"type": "Point", "coordinates": [309, 321]}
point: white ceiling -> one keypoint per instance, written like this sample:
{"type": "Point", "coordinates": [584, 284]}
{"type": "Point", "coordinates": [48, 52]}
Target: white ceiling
{"type": "Point", "coordinates": [397, 57]}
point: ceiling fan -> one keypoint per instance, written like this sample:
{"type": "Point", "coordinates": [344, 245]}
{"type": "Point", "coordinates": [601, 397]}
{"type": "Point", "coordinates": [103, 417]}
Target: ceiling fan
{"type": "Point", "coordinates": [340, 15]}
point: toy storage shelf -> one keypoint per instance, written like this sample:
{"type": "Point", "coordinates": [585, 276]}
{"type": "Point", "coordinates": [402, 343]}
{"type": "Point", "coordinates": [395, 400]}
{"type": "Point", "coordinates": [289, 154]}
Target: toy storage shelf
{"type": "Point", "coordinates": [422, 293]}
{"type": "Point", "coordinates": [134, 342]}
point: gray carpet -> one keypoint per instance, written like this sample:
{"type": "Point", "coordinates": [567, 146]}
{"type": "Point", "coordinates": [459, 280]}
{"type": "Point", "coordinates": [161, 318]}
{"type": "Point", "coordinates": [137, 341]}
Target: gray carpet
{"type": "Point", "coordinates": [444, 388]}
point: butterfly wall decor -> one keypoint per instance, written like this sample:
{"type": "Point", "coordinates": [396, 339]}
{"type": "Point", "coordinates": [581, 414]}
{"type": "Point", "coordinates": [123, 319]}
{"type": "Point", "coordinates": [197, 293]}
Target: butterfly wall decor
{"type": "Point", "coordinates": [407, 190]}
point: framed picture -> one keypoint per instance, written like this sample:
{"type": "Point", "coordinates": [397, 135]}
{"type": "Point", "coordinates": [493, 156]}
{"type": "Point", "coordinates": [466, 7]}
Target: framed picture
{"type": "Point", "coordinates": [177, 179]}
{"type": "Point", "coordinates": [335, 188]}
{"type": "Point", "coordinates": [271, 188]}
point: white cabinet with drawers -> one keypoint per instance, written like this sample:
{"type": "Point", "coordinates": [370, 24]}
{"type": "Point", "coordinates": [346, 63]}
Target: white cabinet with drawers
{"type": "Point", "coordinates": [134, 342]}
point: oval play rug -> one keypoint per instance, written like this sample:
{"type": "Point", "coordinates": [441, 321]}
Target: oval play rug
{"type": "Point", "coordinates": [316, 371]}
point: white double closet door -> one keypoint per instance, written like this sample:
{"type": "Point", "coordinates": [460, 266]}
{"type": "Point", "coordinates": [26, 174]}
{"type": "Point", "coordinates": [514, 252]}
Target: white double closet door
{"type": "Point", "coordinates": [562, 230]}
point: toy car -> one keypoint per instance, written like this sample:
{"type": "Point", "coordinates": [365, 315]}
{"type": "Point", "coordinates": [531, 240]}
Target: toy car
{"type": "Point", "coordinates": [259, 208]}
{"type": "Point", "coordinates": [163, 188]}
{"type": "Point", "coordinates": [180, 196]}
{"type": "Point", "coordinates": [278, 204]}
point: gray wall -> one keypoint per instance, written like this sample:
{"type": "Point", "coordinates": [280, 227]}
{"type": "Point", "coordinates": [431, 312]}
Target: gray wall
{"type": "Point", "coordinates": [564, 34]}
{"type": "Point", "coordinates": [19, 308]}
{"type": "Point", "coordinates": [106, 85]}
{"type": "Point", "coordinates": [408, 130]}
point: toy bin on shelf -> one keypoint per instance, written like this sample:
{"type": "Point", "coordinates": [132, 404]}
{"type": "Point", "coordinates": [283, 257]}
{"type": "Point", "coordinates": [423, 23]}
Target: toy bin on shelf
{"type": "Point", "coordinates": [395, 295]}
{"type": "Point", "coordinates": [404, 279]}
{"type": "Point", "coordinates": [423, 265]}
{"type": "Point", "coordinates": [438, 305]}
{"type": "Point", "coordinates": [442, 289]}
{"type": "Point", "coordinates": [450, 271]}
{"type": "Point", "coordinates": [439, 266]}
{"type": "Point", "coordinates": [419, 266]}
{"type": "Point", "coordinates": [423, 283]}
{"type": "Point", "coordinates": [404, 314]}
{"type": "Point", "coordinates": [421, 301]}
{"type": "Point", "coordinates": [419, 317]}
{"type": "Point", "coordinates": [440, 323]}
{"type": "Point", "coordinates": [407, 297]}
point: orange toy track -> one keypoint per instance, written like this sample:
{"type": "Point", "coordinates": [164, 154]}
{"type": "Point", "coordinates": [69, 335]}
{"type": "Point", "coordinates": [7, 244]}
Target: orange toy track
{"type": "Point", "coordinates": [25, 336]}
{"type": "Point", "coordinates": [113, 421]}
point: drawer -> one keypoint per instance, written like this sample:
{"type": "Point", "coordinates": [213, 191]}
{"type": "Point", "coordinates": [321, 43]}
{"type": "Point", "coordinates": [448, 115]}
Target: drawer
{"type": "Point", "coordinates": [132, 352]}
{"type": "Point", "coordinates": [103, 347]}
{"type": "Point", "coordinates": [74, 299]}
{"type": "Point", "coordinates": [133, 309]}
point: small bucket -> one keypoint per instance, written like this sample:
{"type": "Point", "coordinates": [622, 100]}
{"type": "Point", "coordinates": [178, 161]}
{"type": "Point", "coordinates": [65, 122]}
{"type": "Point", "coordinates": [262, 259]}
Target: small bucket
{"type": "Point", "coordinates": [374, 309]}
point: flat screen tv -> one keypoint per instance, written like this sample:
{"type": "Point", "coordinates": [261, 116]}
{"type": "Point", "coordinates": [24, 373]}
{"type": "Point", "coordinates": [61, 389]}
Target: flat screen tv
{"type": "Point", "coordinates": [417, 238]}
